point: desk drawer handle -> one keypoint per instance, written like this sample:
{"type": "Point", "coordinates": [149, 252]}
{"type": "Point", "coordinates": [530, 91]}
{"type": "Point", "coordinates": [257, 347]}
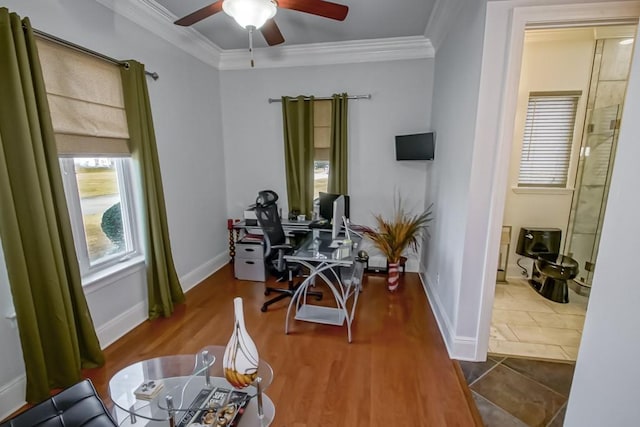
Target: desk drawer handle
{"type": "Point", "coordinates": [249, 250]}
{"type": "Point", "coordinates": [250, 262]}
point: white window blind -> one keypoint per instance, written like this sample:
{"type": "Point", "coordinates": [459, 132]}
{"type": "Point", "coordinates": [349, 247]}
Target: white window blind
{"type": "Point", "coordinates": [548, 136]}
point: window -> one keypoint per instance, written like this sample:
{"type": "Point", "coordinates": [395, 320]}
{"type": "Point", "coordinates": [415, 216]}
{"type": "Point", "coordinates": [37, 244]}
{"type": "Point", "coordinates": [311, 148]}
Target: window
{"type": "Point", "coordinates": [548, 137]}
{"type": "Point", "coordinates": [98, 191]}
{"type": "Point", "coordinates": [92, 138]}
{"type": "Point", "coordinates": [322, 144]}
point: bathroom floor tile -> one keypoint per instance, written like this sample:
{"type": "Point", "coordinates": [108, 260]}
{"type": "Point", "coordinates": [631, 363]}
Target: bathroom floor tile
{"type": "Point", "coordinates": [524, 398]}
{"type": "Point", "coordinates": [526, 349]}
{"type": "Point", "coordinates": [571, 308]}
{"type": "Point", "coordinates": [566, 321]}
{"type": "Point", "coordinates": [522, 292]}
{"type": "Point", "coordinates": [494, 416]}
{"type": "Point", "coordinates": [541, 335]}
{"type": "Point", "coordinates": [556, 376]}
{"type": "Point", "coordinates": [522, 304]}
{"type": "Point", "coordinates": [526, 324]}
{"type": "Point", "coordinates": [570, 351]}
{"type": "Point", "coordinates": [501, 331]}
{"type": "Point", "coordinates": [558, 420]}
{"type": "Point", "coordinates": [474, 370]}
{"type": "Point", "coordinates": [514, 317]}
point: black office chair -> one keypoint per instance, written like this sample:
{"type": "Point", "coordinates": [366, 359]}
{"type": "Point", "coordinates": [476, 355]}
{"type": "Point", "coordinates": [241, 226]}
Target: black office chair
{"type": "Point", "coordinates": [276, 247]}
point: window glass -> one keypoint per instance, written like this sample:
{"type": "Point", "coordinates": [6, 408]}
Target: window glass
{"type": "Point", "coordinates": [320, 177]}
{"type": "Point", "coordinates": [322, 144]}
{"type": "Point", "coordinates": [548, 138]}
{"type": "Point", "coordinates": [100, 203]}
{"type": "Point", "coordinates": [99, 196]}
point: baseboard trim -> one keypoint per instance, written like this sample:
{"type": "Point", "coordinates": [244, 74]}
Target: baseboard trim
{"type": "Point", "coordinates": [205, 270]}
{"type": "Point", "coordinates": [120, 325]}
{"type": "Point", "coordinates": [125, 322]}
{"type": "Point", "coordinates": [458, 347]}
{"type": "Point", "coordinates": [12, 396]}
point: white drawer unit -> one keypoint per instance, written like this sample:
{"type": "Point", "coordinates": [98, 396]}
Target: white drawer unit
{"type": "Point", "coordinates": [249, 262]}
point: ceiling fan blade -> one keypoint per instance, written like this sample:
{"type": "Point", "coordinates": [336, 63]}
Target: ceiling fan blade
{"type": "Point", "coordinates": [326, 9]}
{"type": "Point", "coordinates": [271, 33]}
{"type": "Point", "coordinates": [200, 14]}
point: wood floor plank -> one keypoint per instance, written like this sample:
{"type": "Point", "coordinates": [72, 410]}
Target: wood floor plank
{"type": "Point", "coordinates": [396, 372]}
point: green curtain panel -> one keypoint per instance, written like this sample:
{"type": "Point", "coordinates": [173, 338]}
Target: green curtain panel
{"type": "Point", "coordinates": [338, 153]}
{"type": "Point", "coordinates": [55, 327]}
{"type": "Point", "coordinates": [162, 280]}
{"type": "Point", "coordinates": [297, 115]}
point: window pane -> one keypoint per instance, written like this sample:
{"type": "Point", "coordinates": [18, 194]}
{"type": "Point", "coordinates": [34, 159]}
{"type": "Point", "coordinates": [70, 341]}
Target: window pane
{"type": "Point", "coordinates": [100, 204]}
{"type": "Point", "coordinates": [320, 177]}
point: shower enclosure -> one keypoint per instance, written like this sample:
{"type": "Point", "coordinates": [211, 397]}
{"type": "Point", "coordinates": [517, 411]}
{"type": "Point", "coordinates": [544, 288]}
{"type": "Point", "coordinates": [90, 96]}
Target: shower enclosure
{"type": "Point", "coordinates": [612, 60]}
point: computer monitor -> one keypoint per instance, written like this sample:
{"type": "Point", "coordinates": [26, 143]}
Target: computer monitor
{"type": "Point", "coordinates": [338, 214]}
{"type": "Point", "coordinates": [326, 205]}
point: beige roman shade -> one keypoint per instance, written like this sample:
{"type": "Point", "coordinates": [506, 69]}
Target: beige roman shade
{"type": "Point", "coordinates": [321, 129]}
{"type": "Point", "coordinates": [86, 102]}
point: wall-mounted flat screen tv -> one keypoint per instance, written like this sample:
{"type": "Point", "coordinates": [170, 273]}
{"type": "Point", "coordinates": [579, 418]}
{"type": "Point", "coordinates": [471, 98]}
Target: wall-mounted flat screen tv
{"type": "Point", "coordinates": [419, 146]}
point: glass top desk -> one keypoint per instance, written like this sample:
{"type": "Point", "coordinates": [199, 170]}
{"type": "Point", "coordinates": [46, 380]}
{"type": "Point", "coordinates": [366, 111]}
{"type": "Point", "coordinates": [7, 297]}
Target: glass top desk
{"type": "Point", "coordinates": [340, 271]}
{"type": "Point", "coordinates": [185, 378]}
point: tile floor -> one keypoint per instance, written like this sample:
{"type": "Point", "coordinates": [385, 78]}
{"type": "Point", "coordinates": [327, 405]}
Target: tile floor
{"type": "Point", "coordinates": [526, 324]}
{"type": "Point", "coordinates": [512, 392]}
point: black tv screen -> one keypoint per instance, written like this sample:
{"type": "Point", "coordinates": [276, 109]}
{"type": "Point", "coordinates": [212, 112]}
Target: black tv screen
{"type": "Point", "coordinates": [418, 146]}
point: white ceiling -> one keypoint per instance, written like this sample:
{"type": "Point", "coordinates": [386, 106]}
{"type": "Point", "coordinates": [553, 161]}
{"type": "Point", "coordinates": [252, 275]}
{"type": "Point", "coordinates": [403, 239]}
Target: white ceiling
{"type": "Point", "coordinates": [367, 19]}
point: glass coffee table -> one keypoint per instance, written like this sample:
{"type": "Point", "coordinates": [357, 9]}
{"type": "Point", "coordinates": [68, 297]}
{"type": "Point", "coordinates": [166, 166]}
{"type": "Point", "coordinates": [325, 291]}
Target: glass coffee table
{"type": "Point", "coordinates": [178, 390]}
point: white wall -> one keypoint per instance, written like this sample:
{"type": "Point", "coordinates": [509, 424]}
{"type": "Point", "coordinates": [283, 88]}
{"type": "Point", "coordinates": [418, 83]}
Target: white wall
{"type": "Point", "coordinates": [400, 104]}
{"type": "Point", "coordinates": [12, 385]}
{"type": "Point", "coordinates": [548, 65]}
{"type": "Point", "coordinates": [604, 390]}
{"type": "Point", "coordinates": [455, 98]}
{"type": "Point", "coordinates": [187, 117]}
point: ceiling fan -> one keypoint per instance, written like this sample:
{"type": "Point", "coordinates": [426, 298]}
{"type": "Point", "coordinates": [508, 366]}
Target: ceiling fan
{"type": "Point", "coordinates": [258, 14]}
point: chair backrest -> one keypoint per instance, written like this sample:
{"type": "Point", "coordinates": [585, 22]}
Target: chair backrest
{"type": "Point", "coordinates": [269, 220]}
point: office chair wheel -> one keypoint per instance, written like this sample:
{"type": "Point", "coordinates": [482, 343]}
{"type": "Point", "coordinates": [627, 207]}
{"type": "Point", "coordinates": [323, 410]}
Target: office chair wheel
{"type": "Point", "coordinates": [267, 292]}
{"type": "Point", "coordinates": [263, 309]}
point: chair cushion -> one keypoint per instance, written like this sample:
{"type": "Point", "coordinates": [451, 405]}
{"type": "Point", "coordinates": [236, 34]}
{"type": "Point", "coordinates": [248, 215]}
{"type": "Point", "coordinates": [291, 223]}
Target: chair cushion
{"type": "Point", "coordinates": [78, 405]}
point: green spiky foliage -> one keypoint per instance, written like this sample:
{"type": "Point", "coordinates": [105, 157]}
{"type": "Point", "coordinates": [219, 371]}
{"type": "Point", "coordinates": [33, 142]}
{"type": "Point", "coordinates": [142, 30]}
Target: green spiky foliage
{"type": "Point", "coordinates": [392, 237]}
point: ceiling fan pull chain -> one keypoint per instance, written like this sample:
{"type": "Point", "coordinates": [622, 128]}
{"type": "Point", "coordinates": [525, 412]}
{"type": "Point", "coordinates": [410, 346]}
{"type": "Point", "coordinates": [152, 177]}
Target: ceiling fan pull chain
{"type": "Point", "coordinates": [251, 28]}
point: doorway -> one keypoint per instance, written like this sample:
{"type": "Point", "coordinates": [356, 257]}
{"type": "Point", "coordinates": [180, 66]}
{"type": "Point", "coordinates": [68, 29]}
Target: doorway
{"type": "Point", "coordinates": [570, 101]}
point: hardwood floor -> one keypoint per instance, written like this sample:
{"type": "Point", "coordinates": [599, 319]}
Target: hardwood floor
{"type": "Point", "coordinates": [396, 372]}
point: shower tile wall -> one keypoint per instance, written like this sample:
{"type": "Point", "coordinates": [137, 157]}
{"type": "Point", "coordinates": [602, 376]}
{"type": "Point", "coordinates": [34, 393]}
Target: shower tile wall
{"type": "Point", "coordinates": [606, 97]}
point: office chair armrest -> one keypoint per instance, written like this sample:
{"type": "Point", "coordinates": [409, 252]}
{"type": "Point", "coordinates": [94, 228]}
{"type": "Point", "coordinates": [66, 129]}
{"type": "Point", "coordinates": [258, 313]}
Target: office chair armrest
{"type": "Point", "coordinates": [281, 263]}
{"type": "Point", "coordinates": [284, 247]}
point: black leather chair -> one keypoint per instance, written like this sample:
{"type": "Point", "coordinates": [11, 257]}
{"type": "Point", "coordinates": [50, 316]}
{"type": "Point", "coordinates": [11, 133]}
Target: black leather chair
{"type": "Point", "coordinates": [276, 247]}
{"type": "Point", "coordinates": [78, 405]}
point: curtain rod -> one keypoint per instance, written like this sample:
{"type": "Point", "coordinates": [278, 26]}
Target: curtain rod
{"type": "Point", "coordinates": [324, 98]}
{"type": "Point", "coordinates": [77, 47]}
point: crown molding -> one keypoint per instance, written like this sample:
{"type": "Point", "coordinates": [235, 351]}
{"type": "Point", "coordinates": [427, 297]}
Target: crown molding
{"type": "Point", "coordinates": [350, 52]}
{"type": "Point", "coordinates": [439, 23]}
{"type": "Point", "coordinates": [158, 20]}
{"type": "Point", "coordinates": [588, 32]}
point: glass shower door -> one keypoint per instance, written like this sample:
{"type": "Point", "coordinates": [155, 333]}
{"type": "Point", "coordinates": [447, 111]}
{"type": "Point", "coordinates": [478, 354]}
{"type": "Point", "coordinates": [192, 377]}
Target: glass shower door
{"type": "Point", "coordinates": [592, 188]}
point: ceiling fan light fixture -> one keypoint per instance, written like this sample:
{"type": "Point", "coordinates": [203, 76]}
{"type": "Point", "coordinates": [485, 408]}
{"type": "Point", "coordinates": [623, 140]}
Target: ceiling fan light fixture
{"type": "Point", "coordinates": [250, 13]}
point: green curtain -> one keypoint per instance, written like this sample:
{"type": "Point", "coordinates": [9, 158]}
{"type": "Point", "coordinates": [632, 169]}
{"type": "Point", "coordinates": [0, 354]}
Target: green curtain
{"type": "Point", "coordinates": [163, 286]}
{"type": "Point", "coordinates": [297, 115]}
{"type": "Point", "coordinates": [338, 153]}
{"type": "Point", "coordinates": [55, 326]}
